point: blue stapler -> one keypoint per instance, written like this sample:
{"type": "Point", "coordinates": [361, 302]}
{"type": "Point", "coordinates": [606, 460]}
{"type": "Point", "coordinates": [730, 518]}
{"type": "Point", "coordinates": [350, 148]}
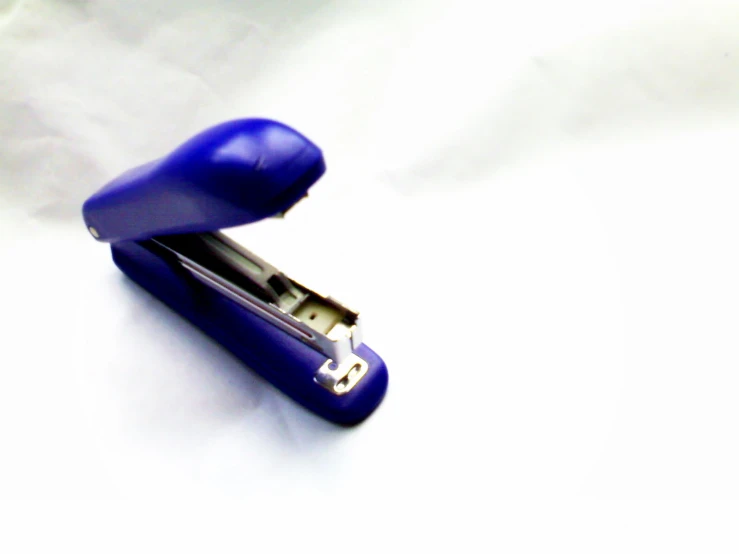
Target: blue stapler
{"type": "Point", "coordinates": [163, 221]}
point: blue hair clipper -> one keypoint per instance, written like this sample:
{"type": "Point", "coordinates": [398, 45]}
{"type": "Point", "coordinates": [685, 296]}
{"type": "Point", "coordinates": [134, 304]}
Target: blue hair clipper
{"type": "Point", "coordinates": [163, 221]}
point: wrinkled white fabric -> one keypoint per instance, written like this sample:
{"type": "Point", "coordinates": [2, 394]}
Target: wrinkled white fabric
{"type": "Point", "coordinates": [532, 203]}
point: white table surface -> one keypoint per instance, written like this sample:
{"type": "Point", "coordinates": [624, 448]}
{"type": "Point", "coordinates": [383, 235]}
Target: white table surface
{"type": "Point", "coordinates": [534, 205]}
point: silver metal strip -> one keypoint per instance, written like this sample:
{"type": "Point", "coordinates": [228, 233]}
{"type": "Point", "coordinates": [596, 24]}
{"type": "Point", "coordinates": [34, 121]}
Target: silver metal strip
{"type": "Point", "coordinates": [341, 378]}
{"type": "Point", "coordinates": [337, 343]}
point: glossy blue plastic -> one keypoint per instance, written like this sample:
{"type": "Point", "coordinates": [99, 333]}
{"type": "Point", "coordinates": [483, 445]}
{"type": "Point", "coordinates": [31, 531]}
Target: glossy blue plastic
{"type": "Point", "coordinates": [231, 174]}
{"type": "Point", "coordinates": [281, 359]}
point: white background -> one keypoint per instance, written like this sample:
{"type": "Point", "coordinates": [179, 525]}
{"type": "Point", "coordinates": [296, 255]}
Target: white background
{"type": "Point", "coordinates": [533, 203]}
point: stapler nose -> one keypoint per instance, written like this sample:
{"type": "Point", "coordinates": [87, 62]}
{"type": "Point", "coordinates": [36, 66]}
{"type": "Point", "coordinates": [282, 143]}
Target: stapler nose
{"type": "Point", "coordinates": [232, 174]}
{"type": "Point", "coordinates": [267, 163]}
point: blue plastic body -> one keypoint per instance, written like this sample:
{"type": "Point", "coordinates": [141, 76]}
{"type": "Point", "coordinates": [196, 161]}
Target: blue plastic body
{"type": "Point", "coordinates": [235, 173]}
{"type": "Point", "coordinates": [281, 359]}
{"type": "Point", "coordinates": [232, 174]}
